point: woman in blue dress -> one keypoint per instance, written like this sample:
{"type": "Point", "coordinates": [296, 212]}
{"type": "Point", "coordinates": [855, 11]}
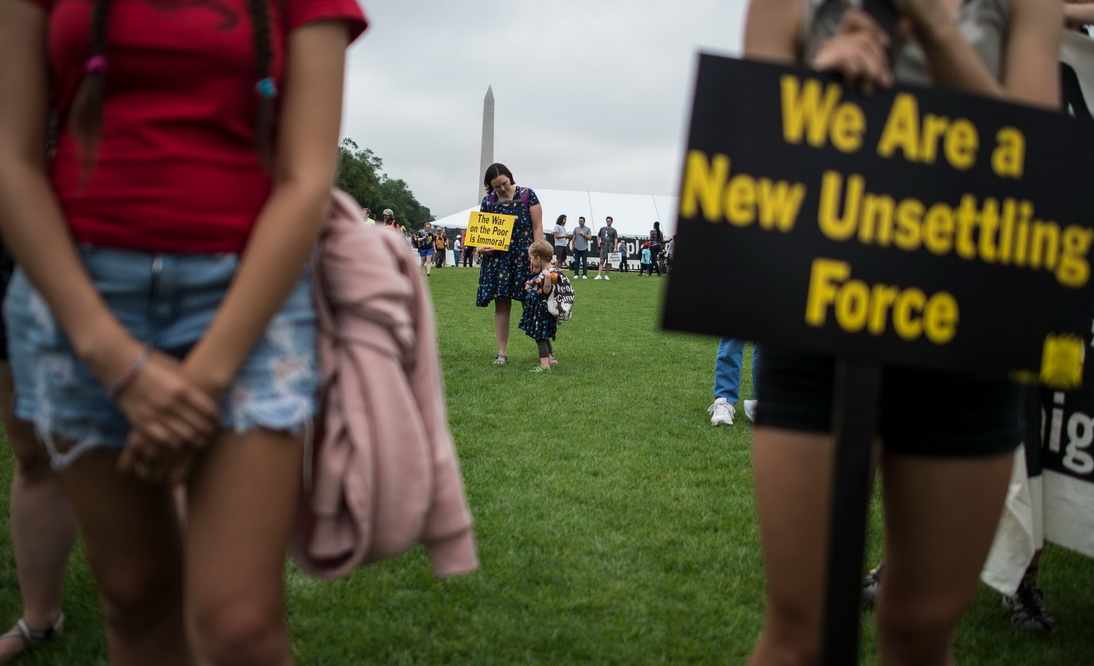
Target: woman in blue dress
{"type": "Point", "coordinates": [503, 274]}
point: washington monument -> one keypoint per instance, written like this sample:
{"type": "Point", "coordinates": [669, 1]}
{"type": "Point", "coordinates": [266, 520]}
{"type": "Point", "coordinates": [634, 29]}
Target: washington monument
{"type": "Point", "coordinates": [487, 156]}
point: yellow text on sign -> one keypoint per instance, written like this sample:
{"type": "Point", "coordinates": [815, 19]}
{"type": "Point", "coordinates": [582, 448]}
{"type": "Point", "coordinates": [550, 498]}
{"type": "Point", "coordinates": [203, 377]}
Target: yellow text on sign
{"type": "Point", "coordinates": [857, 305]}
{"type": "Point", "coordinates": [489, 230]}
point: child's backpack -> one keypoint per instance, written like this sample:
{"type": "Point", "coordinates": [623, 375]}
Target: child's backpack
{"type": "Point", "coordinates": [560, 302]}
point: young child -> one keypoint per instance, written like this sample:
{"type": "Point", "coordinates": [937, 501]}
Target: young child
{"type": "Point", "coordinates": [537, 322]}
{"type": "Point", "coordinates": [646, 264]}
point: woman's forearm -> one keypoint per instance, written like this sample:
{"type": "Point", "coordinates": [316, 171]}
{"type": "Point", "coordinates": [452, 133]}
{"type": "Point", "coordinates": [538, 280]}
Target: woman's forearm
{"type": "Point", "coordinates": [1077, 15]}
{"type": "Point", "coordinates": [39, 239]}
{"type": "Point", "coordinates": [277, 251]}
{"type": "Point", "coordinates": [953, 62]}
{"type": "Point", "coordinates": [284, 233]}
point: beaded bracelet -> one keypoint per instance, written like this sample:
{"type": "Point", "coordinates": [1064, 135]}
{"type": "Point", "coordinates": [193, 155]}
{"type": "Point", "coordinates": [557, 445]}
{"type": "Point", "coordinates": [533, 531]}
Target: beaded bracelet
{"type": "Point", "coordinates": [131, 374]}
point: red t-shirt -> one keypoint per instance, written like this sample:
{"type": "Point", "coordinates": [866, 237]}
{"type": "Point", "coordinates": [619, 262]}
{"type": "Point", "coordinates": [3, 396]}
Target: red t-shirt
{"type": "Point", "coordinates": [176, 169]}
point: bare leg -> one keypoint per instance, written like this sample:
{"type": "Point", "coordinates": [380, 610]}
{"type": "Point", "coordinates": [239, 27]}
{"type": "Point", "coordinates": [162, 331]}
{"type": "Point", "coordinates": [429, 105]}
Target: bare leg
{"type": "Point", "coordinates": [940, 515]}
{"type": "Point", "coordinates": [792, 472]}
{"type": "Point", "coordinates": [43, 528]}
{"type": "Point", "coordinates": [242, 502]}
{"type": "Point", "coordinates": [502, 308]}
{"type": "Point", "coordinates": [133, 544]}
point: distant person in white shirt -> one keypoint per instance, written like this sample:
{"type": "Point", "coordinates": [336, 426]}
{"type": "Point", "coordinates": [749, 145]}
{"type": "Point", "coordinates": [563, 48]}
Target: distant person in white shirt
{"type": "Point", "coordinates": [562, 242]}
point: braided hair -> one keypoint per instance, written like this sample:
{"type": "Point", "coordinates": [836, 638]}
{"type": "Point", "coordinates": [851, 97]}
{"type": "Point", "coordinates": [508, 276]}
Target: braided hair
{"type": "Point", "coordinates": [86, 118]}
{"type": "Point", "coordinates": [267, 91]}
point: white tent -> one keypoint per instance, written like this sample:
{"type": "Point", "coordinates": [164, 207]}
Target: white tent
{"type": "Point", "coordinates": [632, 215]}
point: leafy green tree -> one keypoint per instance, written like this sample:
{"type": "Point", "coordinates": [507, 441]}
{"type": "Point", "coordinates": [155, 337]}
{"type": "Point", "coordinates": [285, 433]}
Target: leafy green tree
{"type": "Point", "coordinates": [361, 174]}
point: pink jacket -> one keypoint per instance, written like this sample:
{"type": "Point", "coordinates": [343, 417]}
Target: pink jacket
{"type": "Point", "coordinates": [385, 470]}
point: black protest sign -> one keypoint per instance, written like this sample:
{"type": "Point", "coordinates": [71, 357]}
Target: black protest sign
{"type": "Point", "coordinates": [909, 227]}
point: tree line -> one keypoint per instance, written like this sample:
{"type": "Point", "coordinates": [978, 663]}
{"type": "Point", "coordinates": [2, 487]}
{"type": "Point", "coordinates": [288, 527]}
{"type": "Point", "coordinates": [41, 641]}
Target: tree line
{"type": "Point", "coordinates": [361, 174]}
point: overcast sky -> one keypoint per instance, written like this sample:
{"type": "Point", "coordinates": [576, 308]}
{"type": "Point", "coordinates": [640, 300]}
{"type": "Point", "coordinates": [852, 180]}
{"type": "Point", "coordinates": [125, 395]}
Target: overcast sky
{"type": "Point", "coordinates": [589, 94]}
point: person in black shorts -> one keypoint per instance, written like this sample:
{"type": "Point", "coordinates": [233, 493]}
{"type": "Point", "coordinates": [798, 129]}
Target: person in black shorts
{"type": "Point", "coordinates": [946, 443]}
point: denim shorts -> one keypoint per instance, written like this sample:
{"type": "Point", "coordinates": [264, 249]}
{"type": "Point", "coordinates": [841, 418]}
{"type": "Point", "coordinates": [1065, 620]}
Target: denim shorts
{"type": "Point", "coordinates": [166, 301]}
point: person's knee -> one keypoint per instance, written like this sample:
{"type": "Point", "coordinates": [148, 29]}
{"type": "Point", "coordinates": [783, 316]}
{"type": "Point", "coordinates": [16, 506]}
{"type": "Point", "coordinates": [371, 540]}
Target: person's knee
{"type": "Point", "coordinates": [916, 630]}
{"type": "Point", "coordinates": [240, 631]}
{"type": "Point", "coordinates": [794, 630]}
{"type": "Point", "coordinates": [135, 604]}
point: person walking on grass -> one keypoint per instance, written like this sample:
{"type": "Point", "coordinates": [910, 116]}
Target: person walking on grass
{"type": "Point", "coordinates": [502, 274]}
{"type": "Point", "coordinates": [537, 322]}
{"type": "Point", "coordinates": [657, 240]}
{"type": "Point", "coordinates": [440, 247]}
{"type": "Point", "coordinates": [644, 264]}
{"type": "Point", "coordinates": [562, 242]}
{"type": "Point", "coordinates": [425, 243]}
{"type": "Point", "coordinates": [161, 322]}
{"type": "Point", "coordinates": [608, 238]}
{"type": "Point", "coordinates": [727, 381]}
{"type": "Point", "coordinates": [581, 237]}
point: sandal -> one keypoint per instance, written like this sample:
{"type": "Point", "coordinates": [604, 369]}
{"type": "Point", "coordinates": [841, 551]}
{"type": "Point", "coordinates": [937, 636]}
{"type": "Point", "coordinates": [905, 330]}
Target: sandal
{"type": "Point", "coordinates": [501, 359]}
{"type": "Point", "coordinates": [554, 361]}
{"type": "Point", "coordinates": [541, 368]}
{"type": "Point", "coordinates": [32, 638]}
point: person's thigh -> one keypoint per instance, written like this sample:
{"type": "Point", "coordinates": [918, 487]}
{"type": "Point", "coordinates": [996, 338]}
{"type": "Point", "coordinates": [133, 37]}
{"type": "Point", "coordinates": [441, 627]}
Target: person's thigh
{"type": "Point", "coordinates": [242, 499]}
{"type": "Point", "coordinates": [133, 544]}
{"type": "Point", "coordinates": [941, 515]}
{"type": "Point", "coordinates": [792, 471]}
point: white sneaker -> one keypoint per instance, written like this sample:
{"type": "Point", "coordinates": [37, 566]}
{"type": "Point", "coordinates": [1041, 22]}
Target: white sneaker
{"type": "Point", "coordinates": [606, 277]}
{"type": "Point", "coordinates": [597, 277]}
{"type": "Point", "coordinates": [584, 277]}
{"type": "Point", "coordinates": [750, 410]}
{"type": "Point", "coordinates": [721, 412]}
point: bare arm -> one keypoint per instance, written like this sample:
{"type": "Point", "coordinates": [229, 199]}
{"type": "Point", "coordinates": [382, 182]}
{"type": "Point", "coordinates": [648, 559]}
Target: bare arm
{"type": "Point", "coordinates": [161, 403]}
{"type": "Point", "coordinates": [1030, 59]}
{"type": "Point", "coordinates": [282, 239]}
{"type": "Point", "coordinates": [772, 29]}
{"type": "Point", "coordinates": [33, 224]}
{"type": "Point", "coordinates": [1078, 13]}
{"type": "Point", "coordinates": [537, 222]}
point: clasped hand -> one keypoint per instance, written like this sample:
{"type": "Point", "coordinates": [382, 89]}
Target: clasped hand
{"type": "Point", "coordinates": [170, 418]}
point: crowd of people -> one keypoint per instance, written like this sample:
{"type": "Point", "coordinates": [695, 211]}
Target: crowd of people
{"type": "Point", "coordinates": [164, 380]}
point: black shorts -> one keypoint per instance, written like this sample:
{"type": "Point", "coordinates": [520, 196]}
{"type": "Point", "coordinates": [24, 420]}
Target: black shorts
{"type": "Point", "coordinates": [920, 412]}
{"type": "Point", "coordinates": [561, 251]}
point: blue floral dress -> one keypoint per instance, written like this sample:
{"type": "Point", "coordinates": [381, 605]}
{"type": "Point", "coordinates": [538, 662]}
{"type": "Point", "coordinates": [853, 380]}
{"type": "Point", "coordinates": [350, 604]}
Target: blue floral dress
{"type": "Point", "coordinates": [537, 322]}
{"type": "Point", "coordinates": [503, 274]}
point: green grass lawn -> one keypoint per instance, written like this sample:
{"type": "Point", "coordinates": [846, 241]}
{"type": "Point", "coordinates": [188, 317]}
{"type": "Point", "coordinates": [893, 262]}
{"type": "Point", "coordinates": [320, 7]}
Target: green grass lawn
{"type": "Point", "coordinates": [615, 525]}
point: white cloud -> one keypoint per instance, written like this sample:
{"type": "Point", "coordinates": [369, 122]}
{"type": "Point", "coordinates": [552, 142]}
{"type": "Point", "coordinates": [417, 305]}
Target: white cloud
{"type": "Point", "coordinates": [588, 95]}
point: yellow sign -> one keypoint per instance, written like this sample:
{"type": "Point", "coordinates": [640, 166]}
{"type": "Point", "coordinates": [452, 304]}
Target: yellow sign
{"type": "Point", "coordinates": [489, 230]}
